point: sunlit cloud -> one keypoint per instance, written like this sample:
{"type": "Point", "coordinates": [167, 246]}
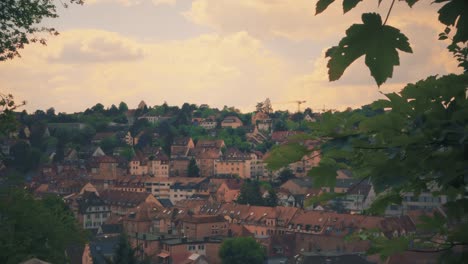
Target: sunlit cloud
{"type": "Point", "coordinates": [131, 2]}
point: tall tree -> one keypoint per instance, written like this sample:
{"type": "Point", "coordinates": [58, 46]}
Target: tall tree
{"type": "Point", "coordinates": [241, 250]}
{"type": "Point", "coordinates": [271, 199]}
{"type": "Point", "coordinates": [124, 253]}
{"type": "Point", "coordinates": [123, 107]}
{"type": "Point", "coordinates": [250, 193]}
{"type": "Point", "coordinates": [39, 228]}
{"type": "Point", "coordinates": [193, 170]}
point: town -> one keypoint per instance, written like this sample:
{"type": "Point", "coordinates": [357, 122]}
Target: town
{"type": "Point", "coordinates": [179, 181]}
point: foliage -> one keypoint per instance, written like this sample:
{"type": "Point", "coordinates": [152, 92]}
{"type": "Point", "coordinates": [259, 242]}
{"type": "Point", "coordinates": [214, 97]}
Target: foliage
{"type": "Point", "coordinates": [271, 199]}
{"type": "Point", "coordinates": [35, 228]}
{"type": "Point", "coordinates": [379, 41]}
{"type": "Point", "coordinates": [241, 250]}
{"type": "Point", "coordinates": [410, 142]}
{"type": "Point", "coordinates": [250, 193]}
{"type": "Point", "coordinates": [193, 170]}
{"type": "Point", "coordinates": [7, 119]}
{"type": "Point", "coordinates": [23, 157]}
{"type": "Point", "coordinates": [108, 144]}
{"type": "Point", "coordinates": [281, 156]}
{"type": "Point", "coordinates": [124, 253]}
{"type": "Point", "coordinates": [19, 20]}
{"type": "Point", "coordinates": [285, 175]}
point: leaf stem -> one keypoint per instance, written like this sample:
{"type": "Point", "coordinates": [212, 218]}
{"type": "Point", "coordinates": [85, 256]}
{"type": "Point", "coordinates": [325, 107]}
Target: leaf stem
{"type": "Point", "coordinates": [389, 11]}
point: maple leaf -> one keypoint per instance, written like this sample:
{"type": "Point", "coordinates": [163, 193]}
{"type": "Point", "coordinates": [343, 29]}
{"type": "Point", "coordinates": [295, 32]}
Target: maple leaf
{"type": "Point", "coordinates": [322, 5]}
{"type": "Point", "coordinates": [377, 41]}
{"type": "Point", "coordinates": [453, 13]}
{"type": "Point", "coordinates": [411, 2]}
{"type": "Point", "coordinates": [349, 4]}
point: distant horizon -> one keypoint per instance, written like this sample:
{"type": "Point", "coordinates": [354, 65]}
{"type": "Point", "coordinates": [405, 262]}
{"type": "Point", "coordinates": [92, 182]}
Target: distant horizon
{"type": "Point", "coordinates": [292, 109]}
{"type": "Point", "coordinates": [221, 52]}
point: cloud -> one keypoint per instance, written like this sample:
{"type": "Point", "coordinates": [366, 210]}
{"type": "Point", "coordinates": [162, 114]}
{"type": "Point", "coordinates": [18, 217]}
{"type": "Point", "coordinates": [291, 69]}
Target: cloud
{"type": "Point", "coordinates": [297, 20]}
{"type": "Point", "coordinates": [233, 69]}
{"type": "Point", "coordinates": [121, 2]}
{"type": "Point", "coordinates": [94, 47]}
{"type": "Point", "coordinates": [133, 2]}
{"type": "Point", "coordinates": [164, 2]}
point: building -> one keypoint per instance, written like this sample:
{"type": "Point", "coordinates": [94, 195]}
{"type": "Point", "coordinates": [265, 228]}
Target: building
{"type": "Point", "coordinates": [233, 163]}
{"type": "Point", "coordinates": [202, 226]}
{"type": "Point", "coordinates": [231, 121]}
{"type": "Point", "coordinates": [184, 188]}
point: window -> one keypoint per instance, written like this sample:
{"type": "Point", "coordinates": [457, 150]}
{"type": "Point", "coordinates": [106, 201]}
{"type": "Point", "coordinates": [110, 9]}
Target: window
{"type": "Point", "coordinates": [201, 247]}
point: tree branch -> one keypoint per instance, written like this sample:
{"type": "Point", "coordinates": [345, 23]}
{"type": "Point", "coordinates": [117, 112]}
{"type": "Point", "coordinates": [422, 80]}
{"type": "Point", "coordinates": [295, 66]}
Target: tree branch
{"type": "Point", "coordinates": [389, 11]}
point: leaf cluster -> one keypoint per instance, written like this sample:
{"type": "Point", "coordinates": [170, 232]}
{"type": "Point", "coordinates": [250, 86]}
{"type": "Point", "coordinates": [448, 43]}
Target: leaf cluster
{"type": "Point", "coordinates": [241, 250]}
{"type": "Point", "coordinates": [379, 42]}
{"type": "Point", "coordinates": [19, 20]}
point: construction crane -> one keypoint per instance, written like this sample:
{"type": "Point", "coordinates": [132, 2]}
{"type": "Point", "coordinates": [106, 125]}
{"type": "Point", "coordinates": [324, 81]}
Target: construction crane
{"type": "Point", "coordinates": [299, 105]}
{"type": "Point", "coordinates": [298, 102]}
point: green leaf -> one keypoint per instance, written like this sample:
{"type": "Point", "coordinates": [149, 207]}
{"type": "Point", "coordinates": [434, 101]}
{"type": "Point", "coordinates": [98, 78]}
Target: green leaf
{"type": "Point", "coordinates": [323, 175]}
{"type": "Point", "coordinates": [349, 4]}
{"type": "Point", "coordinates": [384, 200]}
{"type": "Point", "coordinates": [322, 5]}
{"type": "Point", "coordinates": [454, 13]}
{"type": "Point", "coordinates": [281, 156]}
{"type": "Point", "coordinates": [378, 42]}
{"type": "Point", "coordinates": [411, 2]}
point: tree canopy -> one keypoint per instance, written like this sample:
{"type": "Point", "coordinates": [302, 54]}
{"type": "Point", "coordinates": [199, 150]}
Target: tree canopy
{"type": "Point", "coordinates": [20, 19]}
{"type": "Point", "coordinates": [411, 141]}
{"type": "Point", "coordinates": [241, 250]}
{"type": "Point", "coordinates": [380, 42]}
{"type": "Point", "coordinates": [36, 228]}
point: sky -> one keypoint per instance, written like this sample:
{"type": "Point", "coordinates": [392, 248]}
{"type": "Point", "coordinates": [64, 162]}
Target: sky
{"type": "Point", "coordinates": [216, 52]}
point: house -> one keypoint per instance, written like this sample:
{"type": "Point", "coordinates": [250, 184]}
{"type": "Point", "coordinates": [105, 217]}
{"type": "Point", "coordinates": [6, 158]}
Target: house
{"type": "Point", "coordinates": [158, 164]}
{"type": "Point", "coordinates": [205, 158]}
{"type": "Point", "coordinates": [262, 121]}
{"type": "Point", "coordinates": [178, 166]}
{"type": "Point", "coordinates": [158, 186]}
{"type": "Point", "coordinates": [103, 249]}
{"type": "Point", "coordinates": [202, 226]}
{"type": "Point", "coordinates": [122, 202]}
{"type": "Point", "coordinates": [280, 137]}
{"type": "Point", "coordinates": [210, 144]}
{"type": "Point", "coordinates": [89, 207]}
{"type": "Point", "coordinates": [180, 250]}
{"type": "Point", "coordinates": [257, 166]}
{"type": "Point", "coordinates": [130, 184]}
{"type": "Point", "coordinates": [104, 170]}
{"type": "Point", "coordinates": [208, 123]}
{"type": "Point", "coordinates": [181, 147]}
{"type": "Point", "coordinates": [425, 201]}
{"type": "Point", "coordinates": [139, 164]}
{"type": "Point", "coordinates": [358, 197]}
{"type": "Point", "coordinates": [233, 163]}
{"type": "Point", "coordinates": [231, 121]}
{"type": "Point", "coordinates": [310, 118]}
{"type": "Point", "coordinates": [183, 188]}
{"type": "Point", "coordinates": [229, 190]}
{"type": "Point", "coordinates": [128, 139]}
{"type": "Point", "coordinates": [153, 119]}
